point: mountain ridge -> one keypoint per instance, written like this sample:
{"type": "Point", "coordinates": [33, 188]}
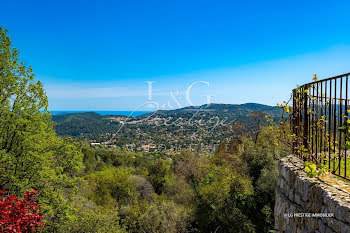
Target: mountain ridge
{"type": "Point", "coordinates": [93, 124]}
{"type": "Point", "coordinates": [221, 108]}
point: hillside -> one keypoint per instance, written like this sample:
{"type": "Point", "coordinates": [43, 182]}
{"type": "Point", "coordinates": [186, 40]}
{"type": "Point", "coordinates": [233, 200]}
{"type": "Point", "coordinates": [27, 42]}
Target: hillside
{"type": "Point", "coordinates": [206, 124]}
{"type": "Point", "coordinates": [87, 123]}
{"type": "Point", "coordinates": [238, 110]}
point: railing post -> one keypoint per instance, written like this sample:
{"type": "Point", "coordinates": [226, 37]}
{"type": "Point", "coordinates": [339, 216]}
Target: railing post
{"type": "Point", "coordinates": [294, 120]}
{"type": "Point", "coordinates": [306, 122]}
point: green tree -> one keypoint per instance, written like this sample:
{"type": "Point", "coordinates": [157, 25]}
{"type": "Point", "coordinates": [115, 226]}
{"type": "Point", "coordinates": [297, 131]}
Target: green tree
{"type": "Point", "coordinates": [111, 186]}
{"type": "Point", "coordinates": [31, 156]}
{"type": "Point", "coordinates": [159, 173]}
{"type": "Point", "coordinates": [89, 217]}
{"type": "Point", "coordinates": [165, 216]}
{"type": "Point", "coordinates": [89, 159]}
{"type": "Point", "coordinates": [262, 160]}
{"type": "Point", "coordinates": [223, 199]}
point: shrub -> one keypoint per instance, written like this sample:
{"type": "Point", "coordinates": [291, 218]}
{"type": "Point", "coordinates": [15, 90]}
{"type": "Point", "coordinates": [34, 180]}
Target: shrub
{"type": "Point", "coordinates": [19, 215]}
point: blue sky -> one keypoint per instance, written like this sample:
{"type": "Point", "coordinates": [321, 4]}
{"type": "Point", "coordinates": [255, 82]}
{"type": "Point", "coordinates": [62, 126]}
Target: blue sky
{"type": "Point", "coordinates": [99, 55]}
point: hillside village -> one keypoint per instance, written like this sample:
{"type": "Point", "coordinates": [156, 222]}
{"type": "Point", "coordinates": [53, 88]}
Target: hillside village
{"type": "Point", "coordinates": [170, 131]}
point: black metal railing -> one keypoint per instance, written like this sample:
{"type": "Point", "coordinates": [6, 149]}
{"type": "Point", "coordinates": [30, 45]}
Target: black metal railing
{"type": "Point", "coordinates": [320, 123]}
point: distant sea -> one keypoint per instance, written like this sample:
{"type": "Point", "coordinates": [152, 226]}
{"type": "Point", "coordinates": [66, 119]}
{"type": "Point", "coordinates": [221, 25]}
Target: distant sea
{"type": "Point", "coordinates": [122, 113]}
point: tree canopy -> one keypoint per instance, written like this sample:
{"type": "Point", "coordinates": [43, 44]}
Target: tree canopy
{"type": "Point", "coordinates": [31, 156]}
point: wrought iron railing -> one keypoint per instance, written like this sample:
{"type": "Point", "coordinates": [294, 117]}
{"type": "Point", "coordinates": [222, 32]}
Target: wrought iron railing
{"type": "Point", "coordinates": [320, 123]}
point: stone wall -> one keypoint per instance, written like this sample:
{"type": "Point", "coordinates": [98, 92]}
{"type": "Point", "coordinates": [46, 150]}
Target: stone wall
{"type": "Point", "coordinates": [306, 204]}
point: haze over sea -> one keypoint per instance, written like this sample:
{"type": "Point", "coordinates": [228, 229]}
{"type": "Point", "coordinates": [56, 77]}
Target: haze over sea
{"type": "Point", "coordinates": [122, 113]}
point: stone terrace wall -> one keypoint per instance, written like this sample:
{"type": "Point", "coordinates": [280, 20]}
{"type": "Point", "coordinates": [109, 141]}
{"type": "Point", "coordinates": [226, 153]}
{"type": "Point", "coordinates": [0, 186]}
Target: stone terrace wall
{"type": "Point", "coordinates": [306, 204]}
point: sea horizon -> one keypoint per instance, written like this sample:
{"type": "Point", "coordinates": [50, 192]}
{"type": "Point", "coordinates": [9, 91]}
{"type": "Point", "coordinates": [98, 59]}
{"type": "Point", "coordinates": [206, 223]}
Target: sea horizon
{"type": "Point", "coordinates": [122, 113]}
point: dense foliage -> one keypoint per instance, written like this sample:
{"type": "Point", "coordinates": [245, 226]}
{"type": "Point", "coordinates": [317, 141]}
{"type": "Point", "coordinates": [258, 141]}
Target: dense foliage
{"type": "Point", "coordinates": [31, 156]}
{"type": "Point", "coordinates": [83, 124]}
{"type": "Point", "coordinates": [19, 215]}
{"type": "Point", "coordinates": [229, 191]}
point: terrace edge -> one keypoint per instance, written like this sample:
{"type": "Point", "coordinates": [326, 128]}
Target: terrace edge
{"type": "Point", "coordinates": [306, 204]}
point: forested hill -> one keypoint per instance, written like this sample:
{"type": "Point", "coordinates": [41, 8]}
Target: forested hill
{"type": "Point", "coordinates": [76, 116]}
{"type": "Point", "coordinates": [75, 124]}
{"type": "Point", "coordinates": [93, 125]}
{"type": "Point", "coordinates": [231, 109]}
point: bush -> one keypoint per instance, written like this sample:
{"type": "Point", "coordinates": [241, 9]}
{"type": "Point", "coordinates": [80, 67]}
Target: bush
{"type": "Point", "coordinates": [19, 215]}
